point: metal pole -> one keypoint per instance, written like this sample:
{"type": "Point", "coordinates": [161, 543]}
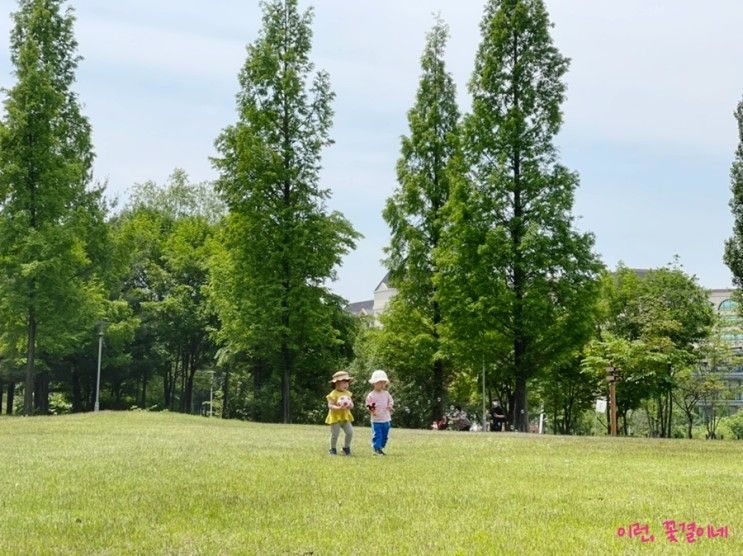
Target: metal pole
{"type": "Point", "coordinates": [98, 376]}
{"type": "Point", "coordinates": [211, 397]}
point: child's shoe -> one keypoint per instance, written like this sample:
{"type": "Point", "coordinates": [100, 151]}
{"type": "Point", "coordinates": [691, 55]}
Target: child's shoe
{"type": "Point", "coordinates": [346, 451]}
{"type": "Point", "coordinates": [333, 452]}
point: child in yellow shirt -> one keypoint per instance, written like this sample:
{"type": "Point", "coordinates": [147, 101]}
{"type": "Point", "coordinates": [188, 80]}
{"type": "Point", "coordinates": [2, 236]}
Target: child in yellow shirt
{"type": "Point", "coordinates": [339, 412]}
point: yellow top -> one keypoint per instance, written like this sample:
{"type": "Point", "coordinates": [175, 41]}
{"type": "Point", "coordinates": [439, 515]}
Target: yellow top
{"type": "Point", "coordinates": [338, 415]}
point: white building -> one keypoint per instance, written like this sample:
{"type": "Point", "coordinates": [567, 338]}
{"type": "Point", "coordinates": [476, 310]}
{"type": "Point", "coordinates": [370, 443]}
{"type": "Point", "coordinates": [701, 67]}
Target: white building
{"type": "Point", "coordinates": [375, 307]}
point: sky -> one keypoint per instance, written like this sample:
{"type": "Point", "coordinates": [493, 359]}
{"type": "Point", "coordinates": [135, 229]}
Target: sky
{"type": "Point", "coordinates": [648, 121]}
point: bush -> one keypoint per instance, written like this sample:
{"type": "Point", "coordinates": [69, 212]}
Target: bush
{"type": "Point", "coordinates": [735, 425]}
{"type": "Point", "coordinates": [58, 404]}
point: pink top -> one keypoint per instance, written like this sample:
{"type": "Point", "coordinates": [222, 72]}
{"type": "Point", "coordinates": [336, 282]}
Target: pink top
{"type": "Point", "coordinates": [383, 404]}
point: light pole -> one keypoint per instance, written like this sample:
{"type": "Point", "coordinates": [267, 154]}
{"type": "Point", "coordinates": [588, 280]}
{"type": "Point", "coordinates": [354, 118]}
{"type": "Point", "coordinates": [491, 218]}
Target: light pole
{"type": "Point", "coordinates": [211, 393]}
{"type": "Point", "coordinates": [97, 406]}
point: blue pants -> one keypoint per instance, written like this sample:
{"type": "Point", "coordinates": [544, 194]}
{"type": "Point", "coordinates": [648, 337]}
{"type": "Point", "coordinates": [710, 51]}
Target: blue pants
{"type": "Point", "coordinates": [380, 432]}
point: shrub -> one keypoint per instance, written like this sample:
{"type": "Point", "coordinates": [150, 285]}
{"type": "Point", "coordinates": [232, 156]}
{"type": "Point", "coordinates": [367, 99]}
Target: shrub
{"type": "Point", "coordinates": [735, 425]}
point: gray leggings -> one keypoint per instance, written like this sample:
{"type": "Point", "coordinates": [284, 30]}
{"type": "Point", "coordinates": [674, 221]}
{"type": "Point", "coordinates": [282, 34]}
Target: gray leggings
{"type": "Point", "coordinates": [335, 430]}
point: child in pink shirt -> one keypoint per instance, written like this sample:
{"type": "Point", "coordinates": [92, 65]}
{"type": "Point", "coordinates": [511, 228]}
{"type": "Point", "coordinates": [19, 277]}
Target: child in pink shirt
{"type": "Point", "coordinates": [380, 405]}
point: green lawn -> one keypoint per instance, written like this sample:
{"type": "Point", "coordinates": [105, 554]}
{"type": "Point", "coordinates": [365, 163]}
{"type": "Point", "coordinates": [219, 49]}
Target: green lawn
{"type": "Point", "coordinates": [154, 483]}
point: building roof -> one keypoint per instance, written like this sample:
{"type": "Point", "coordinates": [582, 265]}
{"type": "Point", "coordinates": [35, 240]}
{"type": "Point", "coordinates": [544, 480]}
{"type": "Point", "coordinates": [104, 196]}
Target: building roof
{"type": "Point", "coordinates": [385, 281]}
{"type": "Point", "coordinates": [361, 307]}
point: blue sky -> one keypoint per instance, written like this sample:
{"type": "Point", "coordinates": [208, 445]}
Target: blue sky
{"type": "Point", "coordinates": [648, 120]}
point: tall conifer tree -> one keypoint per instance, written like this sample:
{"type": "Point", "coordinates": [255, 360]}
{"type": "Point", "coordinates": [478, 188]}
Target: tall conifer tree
{"type": "Point", "coordinates": [415, 216]}
{"type": "Point", "coordinates": [734, 246]}
{"type": "Point", "coordinates": [519, 279]}
{"type": "Point", "coordinates": [45, 208]}
{"type": "Point", "coordinates": [282, 243]}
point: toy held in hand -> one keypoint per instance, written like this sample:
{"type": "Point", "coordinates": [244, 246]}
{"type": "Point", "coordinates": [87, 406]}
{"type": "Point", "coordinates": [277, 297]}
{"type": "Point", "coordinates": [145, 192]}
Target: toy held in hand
{"type": "Point", "coordinates": [344, 402]}
{"type": "Point", "coordinates": [372, 407]}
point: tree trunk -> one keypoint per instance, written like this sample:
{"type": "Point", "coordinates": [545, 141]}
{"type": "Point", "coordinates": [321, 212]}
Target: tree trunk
{"type": "Point", "coordinates": [166, 386]}
{"type": "Point", "coordinates": [511, 411]}
{"type": "Point", "coordinates": [77, 398]}
{"type": "Point", "coordinates": [285, 383]}
{"type": "Point", "coordinates": [438, 390]}
{"type": "Point", "coordinates": [225, 394]}
{"type": "Point", "coordinates": [520, 414]}
{"type": "Point", "coordinates": [117, 389]}
{"type": "Point", "coordinates": [262, 375]}
{"type": "Point", "coordinates": [143, 403]}
{"type": "Point", "coordinates": [287, 138]}
{"type": "Point", "coordinates": [2, 387]}
{"type": "Point", "coordinates": [690, 425]}
{"type": "Point", "coordinates": [183, 377]}
{"type": "Point", "coordinates": [169, 382]}
{"type": "Point", "coordinates": [569, 417]}
{"type": "Point", "coordinates": [41, 394]}
{"type": "Point", "coordinates": [10, 400]}
{"type": "Point", "coordinates": [28, 401]}
{"type": "Point", "coordinates": [190, 372]}
{"type": "Point", "coordinates": [624, 423]}
{"type": "Point", "coordinates": [669, 405]}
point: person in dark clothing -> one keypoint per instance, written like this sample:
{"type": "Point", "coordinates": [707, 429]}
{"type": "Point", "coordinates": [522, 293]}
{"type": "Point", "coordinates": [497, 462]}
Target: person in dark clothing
{"type": "Point", "coordinates": [498, 417]}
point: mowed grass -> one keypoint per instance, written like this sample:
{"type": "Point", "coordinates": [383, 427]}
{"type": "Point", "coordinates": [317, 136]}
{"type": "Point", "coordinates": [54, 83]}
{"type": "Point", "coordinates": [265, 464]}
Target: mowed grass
{"type": "Point", "coordinates": [159, 483]}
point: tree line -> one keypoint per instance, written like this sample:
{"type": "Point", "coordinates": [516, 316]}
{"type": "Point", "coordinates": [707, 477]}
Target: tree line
{"type": "Point", "coordinates": [223, 285]}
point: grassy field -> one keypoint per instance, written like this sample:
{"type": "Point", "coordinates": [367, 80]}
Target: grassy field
{"type": "Point", "coordinates": [158, 483]}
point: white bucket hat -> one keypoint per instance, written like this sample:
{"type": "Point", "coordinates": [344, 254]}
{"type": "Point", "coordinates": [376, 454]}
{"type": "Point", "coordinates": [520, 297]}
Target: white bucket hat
{"type": "Point", "coordinates": [377, 376]}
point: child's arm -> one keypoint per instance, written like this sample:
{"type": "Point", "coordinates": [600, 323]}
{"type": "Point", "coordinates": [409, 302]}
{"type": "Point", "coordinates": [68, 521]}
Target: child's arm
{"type": "Point", "coordinates": [332, 403]}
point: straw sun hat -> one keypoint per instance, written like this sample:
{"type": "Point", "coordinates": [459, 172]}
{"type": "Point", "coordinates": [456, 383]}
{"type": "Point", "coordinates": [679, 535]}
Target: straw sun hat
{"type": "Point", "coordinates": [341, 375]}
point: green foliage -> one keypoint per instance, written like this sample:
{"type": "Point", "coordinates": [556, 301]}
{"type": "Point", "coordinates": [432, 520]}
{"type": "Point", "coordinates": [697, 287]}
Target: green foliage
{"type": "Point", "coordinates": [415, 214]}
{"type": "Point", "coordinates": [734, 246]}
{"type": "Point", "coordinates": [408, 345]}
{"type": "Point", "coordinates": [518, 282]}
{"type": "Point", "coordinates": [48, 291]}
{"type": "Point", "coordinates": [568, 392]}
{"type": "Point", "coordinates": [280, 243]}
{"type": "Point", "coordinates": [735, 425]}
{"type": "Point", "coordinates": [179, 199]}
{"type": "Point", "coordinates": [164, 238]}
{"type": "Point", "coordinates": [687, 395]}
{"type": "Point", "coordinates": [58, 404]}
{"type": "Point", "coordinates": [652, 330]}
